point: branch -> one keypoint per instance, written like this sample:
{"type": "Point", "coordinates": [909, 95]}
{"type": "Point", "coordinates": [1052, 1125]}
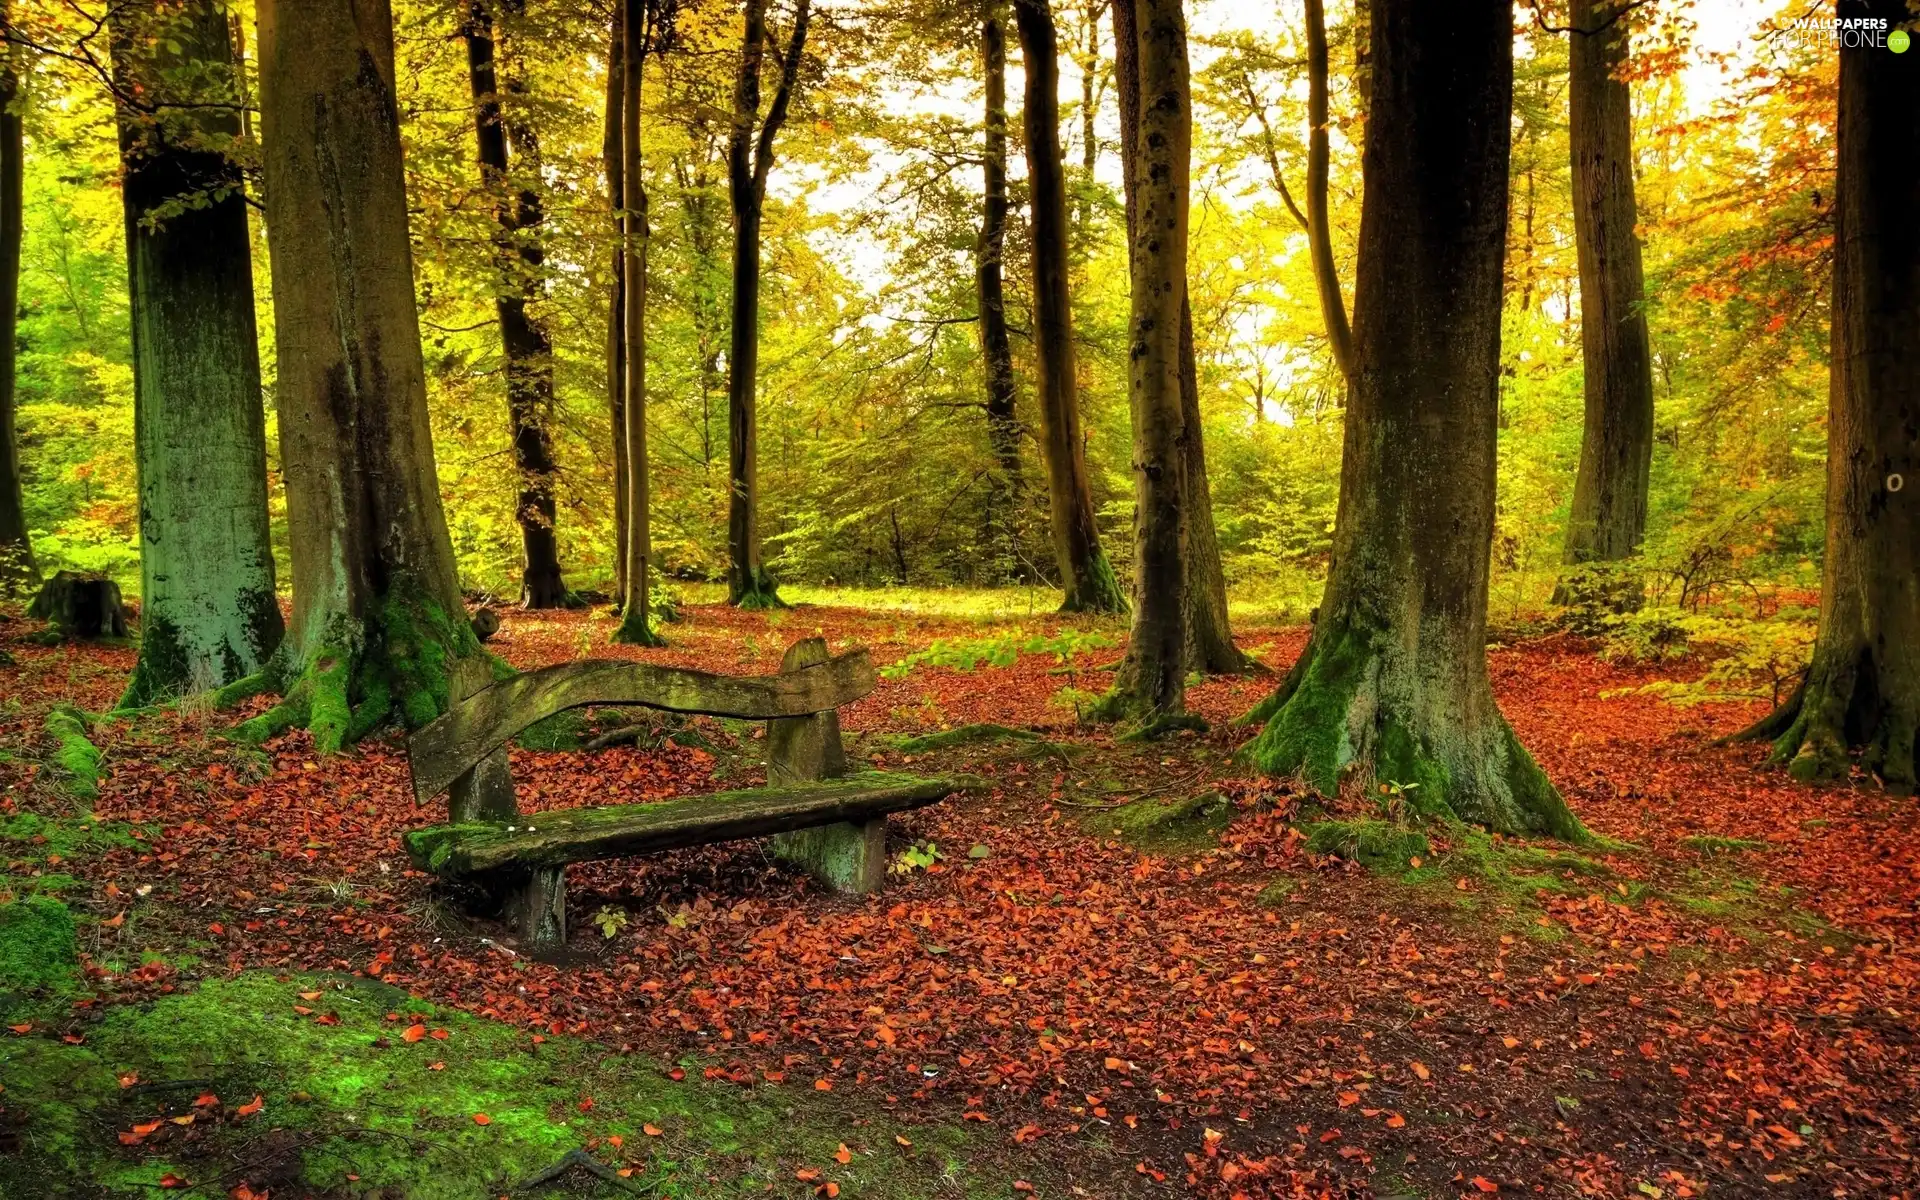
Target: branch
{"type": "Point", "coordinates": [1540, 19]}
{"type": "Point", "coordinates": [782, 96]}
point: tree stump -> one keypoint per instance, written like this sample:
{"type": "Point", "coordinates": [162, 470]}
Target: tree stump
{"type": "Point", "coordinates": [81, 605]}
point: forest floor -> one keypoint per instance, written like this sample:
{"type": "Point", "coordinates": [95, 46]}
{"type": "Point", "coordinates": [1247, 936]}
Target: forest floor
{"type": "Point", "coordinates": [1120, 971]}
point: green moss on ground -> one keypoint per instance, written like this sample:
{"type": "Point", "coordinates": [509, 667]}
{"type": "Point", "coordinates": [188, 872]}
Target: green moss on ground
{"type": "Point", "coordinates": [1711, 845]}
{"type": "Point", "coordinates": [1165, 825]}
{"type": "Point", "coordinates": [31, 835]}
{"type": "Point", "coordinates": [1380, 846]}
{"type": "Point", "coordinates": [362, 1109]}
{"type": "Point", "coordinates": [75, 757]}
{"type": "Point", "coordinates": [38, 946]}
{"type": "Point", "coordinates": [965, 735]}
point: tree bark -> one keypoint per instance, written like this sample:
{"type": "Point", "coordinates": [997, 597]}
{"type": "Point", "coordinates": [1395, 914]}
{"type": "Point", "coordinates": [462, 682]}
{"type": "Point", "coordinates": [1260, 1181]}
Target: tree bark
{"type": "Point", "coordinates": [1150, 687]}
{"type": "Point", "coordinates": [1392, 686]}
{"type": "Point", "coordinates": [1085, 574]}
{"type": "Point", "coordinates": [749, 159]}
{"type": "Point", "coordinates": [1210, 647]}
{"type": "Point", "coordinates": [635, 600]}
{"type": "Point", "coordinates": [209, 615]}
{"type": "Point", "coordinates": [1326, 277]}
{"type": "Point", "coordinates": [613, 153]}
{"type": "Point", "coordinates": [1609, 513]}
{"type": "Point", "coordinates": [378, 621]}
{"type": "Point", "coordinates": [996, 349]}
{"type": "Point", "coordinates": [1863, 687]}
{"type": "Point", "coordinates": [18, 571]}
{"type": "Point", "coordinates": [524, 341]}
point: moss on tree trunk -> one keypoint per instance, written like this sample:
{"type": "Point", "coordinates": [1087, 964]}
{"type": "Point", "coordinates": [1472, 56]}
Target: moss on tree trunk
{"type": "Point", "coordinates": [1393, 684]}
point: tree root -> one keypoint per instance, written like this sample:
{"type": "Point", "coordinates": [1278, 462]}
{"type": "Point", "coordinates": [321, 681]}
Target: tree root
{"type": "Point", "coordinates": [581, 1160]}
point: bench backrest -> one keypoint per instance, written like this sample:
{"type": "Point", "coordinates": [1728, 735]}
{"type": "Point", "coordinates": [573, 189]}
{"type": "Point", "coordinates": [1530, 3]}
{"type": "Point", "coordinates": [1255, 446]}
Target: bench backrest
{"type": "Point", "coordinates": [463, 751]}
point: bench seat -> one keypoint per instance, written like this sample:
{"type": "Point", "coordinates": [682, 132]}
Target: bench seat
{"type": "Point", "coordinates": [587, 834]}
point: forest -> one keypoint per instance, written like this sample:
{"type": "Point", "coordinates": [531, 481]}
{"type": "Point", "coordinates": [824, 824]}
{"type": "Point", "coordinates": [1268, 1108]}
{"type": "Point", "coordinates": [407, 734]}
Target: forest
{"type": "Point", "coordinates": [942, 599]}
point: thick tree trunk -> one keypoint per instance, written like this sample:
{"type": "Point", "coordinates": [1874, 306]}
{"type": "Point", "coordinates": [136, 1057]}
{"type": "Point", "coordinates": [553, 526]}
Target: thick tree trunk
{"type": "Point", "coordinates": [378, 621]}
{"type": "Point", "coordinates": [1616, 449]}
{"type": "Point", "coordinates": [1392, 686]}
{"type": "Point", "coordinates": [18, 572]}
{"type": "Point", "coordinates": [1863, 688]}
{"type": "Point", "coordinates": [613, 153]}
{"type": "Point", "coordinates": [635, 600]}
{"type": "Point", "coordinates": [749, 159]}
{"type": "Point", "coordinates": [1150, 686]}
{"type": "Point", "coordinates": [525, 344]}
{"type": "Point", "coordinates": [1210, 647]}
{"type": "Point", "coordinates": [1085, 574]}
{"type": "Point", "coordinates": [209, 615]}
{"type": "Point", "coordinates": [996, 349]}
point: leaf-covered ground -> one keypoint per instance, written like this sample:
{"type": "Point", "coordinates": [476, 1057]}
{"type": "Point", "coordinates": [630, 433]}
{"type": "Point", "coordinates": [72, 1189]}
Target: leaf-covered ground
{"type": "Point", "coordinates": [1122, 970]}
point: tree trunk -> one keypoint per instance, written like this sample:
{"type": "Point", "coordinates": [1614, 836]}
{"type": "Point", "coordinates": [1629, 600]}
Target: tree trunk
{"type": "Point", "coordinates": [1863, 688]}
{"type": "Point", "coordinates": [1326, 277]}
{"type": "Point", "coordinates": [378, 621]}
{"type": "Point", "coordinates": [1150, 687]}
{"type": "Point", "coordinates": [613, 152]}
{"type": "Point", "coordinates": [527, 348]}
{"type": "Point", "coordinates": [18, 571]}
{"type": "Point", "coordinates": [1609, 512]}
{"type": "Point", "coordinates": [635, 600]}
{"type": "Point", "coordinates": [996, 350]}
{"type": "Point", "coordinates": [1085, 574]}
{"type": "Point", "coordinates": [209, 615]}
{"type": "Point", "coordinates": [1392, 686]}
{"type": "Point", "coordinates": [1210, 647]}
{"type": "Point", "coordinates": [749, 159]}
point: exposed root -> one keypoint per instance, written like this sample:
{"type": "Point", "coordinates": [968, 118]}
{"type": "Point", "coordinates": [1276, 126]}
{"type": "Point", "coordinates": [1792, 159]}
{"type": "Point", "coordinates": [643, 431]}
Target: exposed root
{"type": "Point", "coordinates": [580, 1160]}
{"type": "Point", "coordinates": [634, 630]}
{"type": "Point", "coordinates": [757, 593]}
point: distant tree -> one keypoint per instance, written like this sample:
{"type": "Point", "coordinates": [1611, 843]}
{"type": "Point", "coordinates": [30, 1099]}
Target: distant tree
{"type": "Point", "coordinates": [1210, 645]}
{"type": "Point", "coordinates": [519, 258]}
{"type": "Point", "coordinates": [613, 153]}
{"type": "Point", "coordinates": [749, 159]}
{"type": "Point", "coordinates": [996, 348]}
{"type": "Point", "coordinates": [635, 600]}
{"type": "Point", "coordinates": [1150, 687]}
{"type": "Point", "coordinates": [1609, 513]}
{"type": "Point", "coordinates": [1392, 687]}
{"type": "Point", "coordinates": [378, 623]}
{"type": "Point", "coordinates": [1085, 574]}
{"type": "Point", "coordinates": [18, 572]}
{"type": "Point", "coordinates": [209, 615]}
{"type": "Point", "coordinates": [1863, 687]}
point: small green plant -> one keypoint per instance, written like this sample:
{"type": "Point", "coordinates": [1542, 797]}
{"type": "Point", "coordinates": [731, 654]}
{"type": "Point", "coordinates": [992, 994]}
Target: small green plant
{"type": "Point", "coordinates": [1747, 658]}
{"type": "Point", "coordinates": [1396, 800]}
{"type": "Point", "coordinates": [1077, 701]}
{"type": "Point", "coordinates": [611, 919]}
{"type": "Point", "coordinates": [917, 857]}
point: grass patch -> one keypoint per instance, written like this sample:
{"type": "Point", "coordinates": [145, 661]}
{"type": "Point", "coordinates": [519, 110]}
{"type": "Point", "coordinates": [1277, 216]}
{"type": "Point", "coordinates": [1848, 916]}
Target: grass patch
{"type": "Point", "coordinates": [31, 835]}
{"type": "Point", "coordinates": [356, 1099]}
{"type": "Point", "coordinates": [965, 735]}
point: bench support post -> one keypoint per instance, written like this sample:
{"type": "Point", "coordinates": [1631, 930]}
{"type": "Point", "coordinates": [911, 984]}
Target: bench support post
{"type": "Point", "coordinates": [846, 856]}
{"type": "Point", "coordinates": [537, 907]}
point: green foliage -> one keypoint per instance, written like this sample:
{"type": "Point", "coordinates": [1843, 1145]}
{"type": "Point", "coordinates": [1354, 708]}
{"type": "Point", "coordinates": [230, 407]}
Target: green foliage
{"type": "Point", "coordinates": [1003, 650]}
{"type": "Point", "coordinates": [917, 857]}
{"type": "Point", "coordinates": [38, 947]}
{"type": "Point", "coordinates": [75, 756]}
{"type": "Point", "coordinates": [1747, 657]}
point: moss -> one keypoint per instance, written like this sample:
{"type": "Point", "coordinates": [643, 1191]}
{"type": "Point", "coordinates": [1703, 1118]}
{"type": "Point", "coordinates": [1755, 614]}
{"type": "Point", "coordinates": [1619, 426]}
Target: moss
{"type": "Point", "coordinates": [1165, 825]}
{"type": "Point", "coordinates": [566, 730]}
{"type": "Point", "coordinates": [760, 592]}
{"type": "Point", "coordinates": [965, 735]}
{"type": "Point", "coordinates": [358, 1100]}
{"type": "Point", "coordinates": [1306, 734]}
{"type": "Point", "coordinates": [634, 629]}
{"type": "Point", "coordinates": [1380, 846]}
{"type": "Point", "coordinates": [1279, 891]}
{"type": "Point", "coordinates": [1097, 590]}
{"type": "Point", "coordinates": [68, 838]}
{"type": "Point", "coordinates": [1711, 845]}
{"type": "Point", "coordinates": [74, 756]}
{"type": "Point", "coordinates": [37, 943]}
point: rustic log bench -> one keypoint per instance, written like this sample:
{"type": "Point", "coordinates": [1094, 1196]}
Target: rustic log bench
{"type": "Point", "coordinates": [819, 815]}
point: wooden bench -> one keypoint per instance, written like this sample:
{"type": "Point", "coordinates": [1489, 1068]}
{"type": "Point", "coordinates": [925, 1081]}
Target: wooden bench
{"type": "Point", "coordinates": [820, 816]}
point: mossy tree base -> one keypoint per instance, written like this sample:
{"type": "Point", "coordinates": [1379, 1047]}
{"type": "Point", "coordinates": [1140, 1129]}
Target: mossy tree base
{"type": "Point", "coordinates": [755, 591]}
{"type": "Point", "coordinates": [366, 673]}
{"type": "Point", "coordinates": [1092, 587]}
{"type": "Point", "coordinates": [1350, 713]}
{"type": "Point", "coordinates": [1831, 713]}
{"type": "Point", "coordinates": [634, 630]}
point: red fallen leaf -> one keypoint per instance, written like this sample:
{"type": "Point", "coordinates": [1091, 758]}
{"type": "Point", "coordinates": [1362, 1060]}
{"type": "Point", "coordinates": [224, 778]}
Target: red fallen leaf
{"type": "Point", "coordinates": [616, 1141]}
{"type": "Point", "coordinates": [1329, 1135]}
{"type": "Point", "coordinates": [823, 1085]}
{"type": "Point", "coordinates": [1116, 1064]}
{"type": "Point", "coordinates": [903, 1141]}
{"type": "Point", "coordinates": [128, 1079]}
{"type": "Point", "coordinates": [806, 1174]}
{"type": "Point", "coordinates": [206, 1100]}
{"type": "Point", "coordinates": [309, 995]}
{"type": "Point", "coordinates": [1349, 1099]}
{"type": "Point", "coordinates": [250, 1107]}
{"type": "Point", "coordinates": [414, 1033]}
{"type": "Point", "coordinates": [586, 1105]}
{"type": "Point", "coordinates": [829, 1189]}
{"type": "Point", "coordinates": [327, 1019]}
{"type": "Point", "coordinates": [1485, 1184]}
{"type": "Point", "coordinates": [1420, 1069]}
{"type": "Point", "coordinates": [973, 1116]}
{"type": "Point", "coordinates": [182, 1120]}
{"type": "Point", "coordinates": [1021, 1185]}
{"type": "Point", "coordinates": [170, 1180]}
{"type": "Point", "coordinates": [651, 1130]}
{"type": "Point", "coordinates": [676, 1074]}
{"type": "Point", "coordinates": [114, 922]}
{"type": "Point", "coordinates": [843, 1156]}
{"type": "Point", "coordinates": [303, 1010]}
{"type": "Point", "coordinates": [23, 1027]}
{"type": "Point", "coordinates": [482, 1119]}
{"type": "Point", "coordinates": [1396, 1121]}
{"type": "Point", "coordinates": [436, 1066]}
{"type": "Point", "coordinates": [438, 1035]}
{"type": "Point", "coordinates": [72, 1039]}
{"type": "Point", "coordinates": [216, 929]}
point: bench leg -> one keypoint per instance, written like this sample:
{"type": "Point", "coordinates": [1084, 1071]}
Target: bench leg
{"type": "Point", "coordinates": [538, 909]}
{"type": "Point", "coordinates": [849, 858]}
